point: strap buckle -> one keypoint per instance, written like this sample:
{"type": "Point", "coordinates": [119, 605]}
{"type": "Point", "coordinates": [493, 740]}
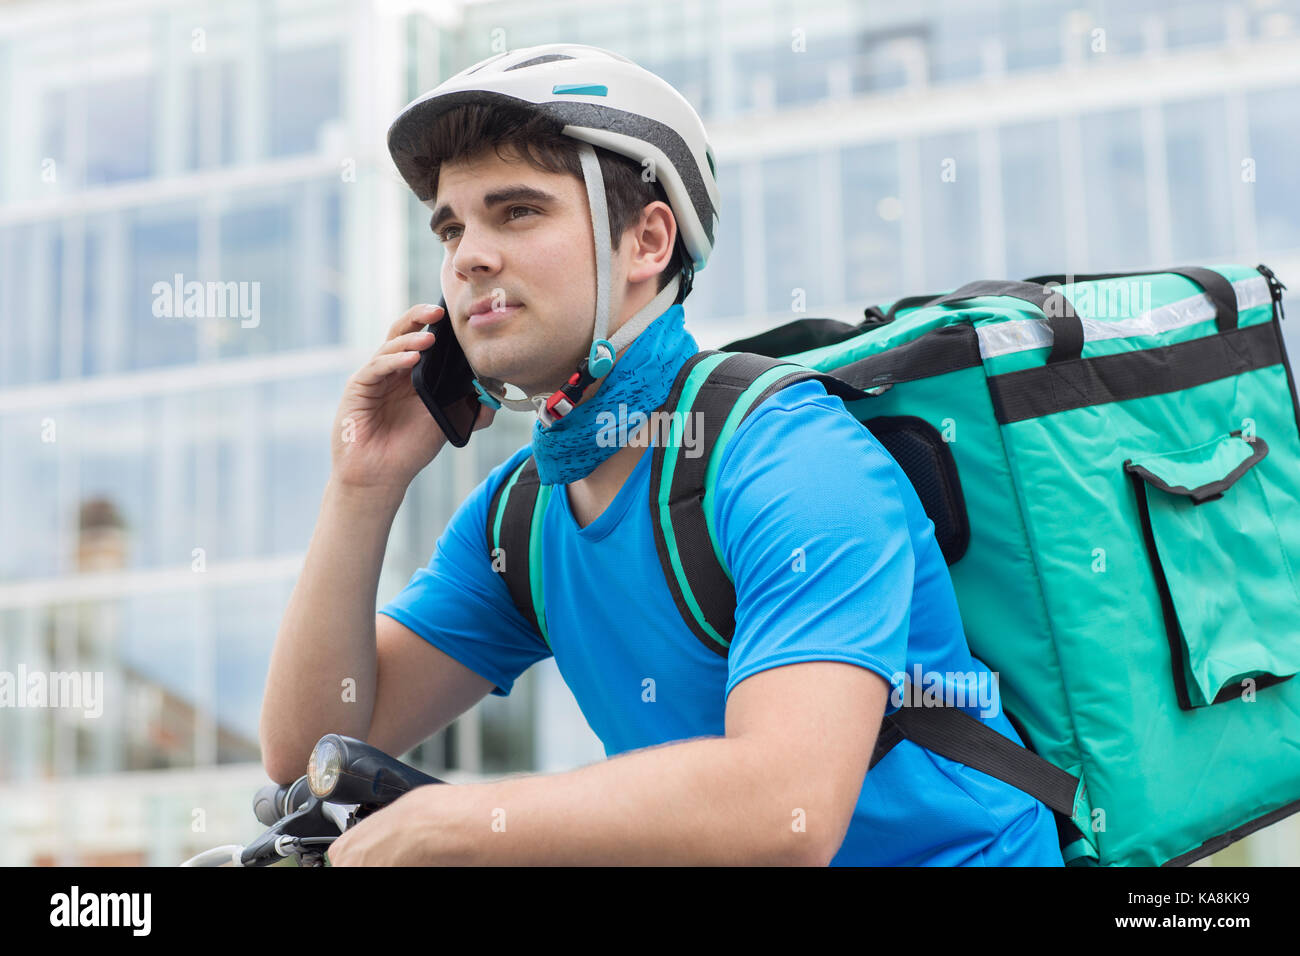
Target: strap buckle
{"type": "Point", "coordinates": [569, 394]}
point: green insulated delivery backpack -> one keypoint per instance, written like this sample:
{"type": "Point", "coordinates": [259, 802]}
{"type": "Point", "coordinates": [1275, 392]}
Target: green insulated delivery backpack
{"type": "Point", "coordinates": [1112, 467]}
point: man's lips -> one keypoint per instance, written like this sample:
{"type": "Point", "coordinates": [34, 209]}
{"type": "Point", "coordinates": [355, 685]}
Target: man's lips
{"type": "Point", "coordinates": [479, 319]}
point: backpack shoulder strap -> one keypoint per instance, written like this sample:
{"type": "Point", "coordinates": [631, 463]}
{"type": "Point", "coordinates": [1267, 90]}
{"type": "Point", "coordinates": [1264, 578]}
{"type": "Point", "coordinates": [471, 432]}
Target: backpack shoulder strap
{"type": "Point", "coordinates": [514, 540]}
{"type": "Point", "coordinates": [713, 393]}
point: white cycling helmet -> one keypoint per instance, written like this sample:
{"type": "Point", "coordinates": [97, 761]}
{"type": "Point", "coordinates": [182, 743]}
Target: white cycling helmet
{"type": "Point", "coordinates": [602, 99]}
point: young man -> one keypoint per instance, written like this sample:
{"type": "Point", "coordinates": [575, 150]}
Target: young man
{"type": "Point", "coordinates": [756, 757]}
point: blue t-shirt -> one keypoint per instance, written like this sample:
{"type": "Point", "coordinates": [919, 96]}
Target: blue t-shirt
{"type": "Point", "coordinates": [834, 559]}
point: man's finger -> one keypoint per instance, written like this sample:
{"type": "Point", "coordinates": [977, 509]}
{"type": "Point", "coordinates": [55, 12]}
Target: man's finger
{"type": "Point", "coordinates": [381, 366]}
{"type": "Point", "coordinates": [411, 341]}
{"type": "Point", "coordinates": [416, 315]}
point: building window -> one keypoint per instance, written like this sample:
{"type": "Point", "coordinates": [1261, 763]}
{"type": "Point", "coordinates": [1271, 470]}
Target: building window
{"type": "Point", "coordinates": [1201, 180]}
{"type": "Point", "coordinates": [119, 130]}
{"type": "Point", "coordinates": [1115, 191]}
{"type": "Point", "coordinates": [1032, 212]}
{"type": "Point", "coordinates": [163, 243]}
{"type": "Point", "coordinates": [949, 185]}
{"type": "Point", "coordinates": [306, 97]}
{"type": "Point", "coordinates": [1275, 190]}
{"type": "Point", "coordinates": [872, 245]}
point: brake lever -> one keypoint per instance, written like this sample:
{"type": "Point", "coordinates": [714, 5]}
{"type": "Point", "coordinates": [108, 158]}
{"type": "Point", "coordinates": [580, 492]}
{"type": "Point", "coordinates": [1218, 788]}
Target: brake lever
{"type": "Point", "coordinates": [341, 814]}
{"type": "Point", "coordinates": [310, 820]}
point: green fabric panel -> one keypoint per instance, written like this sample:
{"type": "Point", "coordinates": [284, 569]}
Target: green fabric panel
{"type": "Point", "coordinates": [1079, 853]}
{"type": "Point", "coordinates": [1165, 779]}
{"type": "Point", "coordinates": [1217, 557]}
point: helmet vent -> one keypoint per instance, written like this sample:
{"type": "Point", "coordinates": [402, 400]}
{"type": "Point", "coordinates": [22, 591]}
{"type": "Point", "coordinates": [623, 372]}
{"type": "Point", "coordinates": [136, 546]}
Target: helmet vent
{"type": "Point", "coordinates": [536, 60]}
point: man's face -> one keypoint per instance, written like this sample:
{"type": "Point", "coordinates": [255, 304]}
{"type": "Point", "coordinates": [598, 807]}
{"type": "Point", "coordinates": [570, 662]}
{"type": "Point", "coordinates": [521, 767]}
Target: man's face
{"type": "Point", "coordinates": [517, 244]}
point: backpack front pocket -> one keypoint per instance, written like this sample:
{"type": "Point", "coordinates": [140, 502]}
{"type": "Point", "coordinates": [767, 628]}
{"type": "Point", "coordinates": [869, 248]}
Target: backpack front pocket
{"type": "Point", "coordinates": [1226, 580]}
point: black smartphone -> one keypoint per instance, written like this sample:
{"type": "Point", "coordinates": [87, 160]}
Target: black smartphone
{"type": "Point", "coordinates": [445, 382]}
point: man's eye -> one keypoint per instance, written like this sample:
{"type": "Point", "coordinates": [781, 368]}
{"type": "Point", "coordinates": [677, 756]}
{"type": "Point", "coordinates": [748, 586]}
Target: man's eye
{"type": "Point", "coordinates": [444, 235]}
{"type": "Point", "coordinates": [524, 208]}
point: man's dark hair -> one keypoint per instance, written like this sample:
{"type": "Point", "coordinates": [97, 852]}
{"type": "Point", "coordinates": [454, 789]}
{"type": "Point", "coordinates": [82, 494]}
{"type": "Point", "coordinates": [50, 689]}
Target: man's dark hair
{"type": "Point", "coordinates": [466, 131]}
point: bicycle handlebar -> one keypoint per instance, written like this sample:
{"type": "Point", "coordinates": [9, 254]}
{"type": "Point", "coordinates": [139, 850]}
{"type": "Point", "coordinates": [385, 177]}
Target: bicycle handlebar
{"type": "Point", "coordinates": [304, 825]}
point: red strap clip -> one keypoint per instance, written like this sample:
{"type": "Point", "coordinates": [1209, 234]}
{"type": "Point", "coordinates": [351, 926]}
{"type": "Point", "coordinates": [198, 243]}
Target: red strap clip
{"type": "Point", "coordinates": [560, 404]}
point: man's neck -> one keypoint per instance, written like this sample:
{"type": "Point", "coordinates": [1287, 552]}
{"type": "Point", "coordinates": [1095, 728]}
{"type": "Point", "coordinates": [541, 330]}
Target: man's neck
{"type": "Point", "coordinates": [590, 496]}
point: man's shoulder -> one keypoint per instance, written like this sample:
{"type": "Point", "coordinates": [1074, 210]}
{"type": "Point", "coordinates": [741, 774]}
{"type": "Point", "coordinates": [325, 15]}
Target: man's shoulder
{"type": "Point", "coordinates": [804, 446]}
{"type": "Point", "coordinates": [792, 421]}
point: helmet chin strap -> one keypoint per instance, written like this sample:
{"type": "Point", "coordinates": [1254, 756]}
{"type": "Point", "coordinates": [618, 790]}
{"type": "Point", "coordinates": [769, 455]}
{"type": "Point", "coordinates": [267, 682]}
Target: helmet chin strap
{"type": "Point", "coordinates": [603, 353]}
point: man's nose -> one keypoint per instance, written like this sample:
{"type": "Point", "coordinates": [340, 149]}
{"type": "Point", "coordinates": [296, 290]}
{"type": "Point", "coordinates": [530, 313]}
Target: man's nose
{"type": "Point", "coordinates": [475, 253]}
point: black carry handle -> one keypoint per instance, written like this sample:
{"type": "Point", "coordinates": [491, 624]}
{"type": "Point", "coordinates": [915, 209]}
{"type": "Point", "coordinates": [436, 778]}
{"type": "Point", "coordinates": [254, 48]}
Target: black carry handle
{"type": "Point", "coordinates": [802, 335]}
{"type": "Point", "coordinates": [874, 315]}
{"type": "Point", "coordinates": [911, 302]}
{"type": "Point", "coordinates": [1067, 329]}
{"type": "Point", "coordinates": [1218, 288]}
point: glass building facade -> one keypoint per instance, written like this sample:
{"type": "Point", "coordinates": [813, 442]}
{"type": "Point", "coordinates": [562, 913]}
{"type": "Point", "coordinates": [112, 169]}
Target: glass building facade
{"type": "Point", "coordinates": [161, 472]}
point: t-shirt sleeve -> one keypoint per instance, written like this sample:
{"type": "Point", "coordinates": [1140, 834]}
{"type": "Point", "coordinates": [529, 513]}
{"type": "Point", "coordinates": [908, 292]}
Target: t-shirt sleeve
{"type": "Point", "coordinates": [461, 606]}
{"type": "Point", "coordinates": [812, 525]}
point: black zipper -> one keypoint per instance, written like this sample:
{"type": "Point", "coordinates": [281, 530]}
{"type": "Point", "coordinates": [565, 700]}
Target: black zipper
{"type": "Point", "coordinates": [1275, 288]}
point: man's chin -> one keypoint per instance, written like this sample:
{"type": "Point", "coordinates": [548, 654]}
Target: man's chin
{"type": "Point", "coordinates": [495, 367]}
{"type": "Point", "coordinates": [515, 390]}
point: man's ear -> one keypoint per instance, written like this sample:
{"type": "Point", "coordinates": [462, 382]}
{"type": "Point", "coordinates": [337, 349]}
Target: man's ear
{"type": "Point", "coordinates": [651, 240]}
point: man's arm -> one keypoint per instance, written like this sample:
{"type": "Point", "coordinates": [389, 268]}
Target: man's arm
{"type": "Point", "coordinates": [420, 689]}
{"type": "Point", "coordinates": [778, 789]}
{"type": "Point", "coordinates": [327, 633]}
{"type": "Point", "coordinates": [403, 688]}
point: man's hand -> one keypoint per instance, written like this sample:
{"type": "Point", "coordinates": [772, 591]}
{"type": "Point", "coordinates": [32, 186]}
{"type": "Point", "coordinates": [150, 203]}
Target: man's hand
{"type": "Point", "coordinates": [383, 435]}
{"type": "Point", "coordinates": [401, 834]}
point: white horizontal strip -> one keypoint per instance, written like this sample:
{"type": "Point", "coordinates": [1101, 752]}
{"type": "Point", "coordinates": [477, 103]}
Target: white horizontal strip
{"type": "Point", "coordinates": [221, 373]}
{"type": "Point", "coordinates": [1018, 335]}
{"type": "Point", "coordinates": [226, 187]}
{"type": "Point", "coordinates": [118, 585]}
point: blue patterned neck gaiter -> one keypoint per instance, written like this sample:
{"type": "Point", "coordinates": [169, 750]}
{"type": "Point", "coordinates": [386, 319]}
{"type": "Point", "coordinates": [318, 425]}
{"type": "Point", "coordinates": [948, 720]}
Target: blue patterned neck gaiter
{"type": "Point", "coordinates": [640, 381]}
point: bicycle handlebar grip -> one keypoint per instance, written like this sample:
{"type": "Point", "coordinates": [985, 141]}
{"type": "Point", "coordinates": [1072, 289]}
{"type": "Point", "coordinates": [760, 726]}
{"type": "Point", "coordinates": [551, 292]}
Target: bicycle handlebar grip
{"type": "Point", "coordinates": [372, 778]}
{"type": "Point", "coordinates": [268, 803]}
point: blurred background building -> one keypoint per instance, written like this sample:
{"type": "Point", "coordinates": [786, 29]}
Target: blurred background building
{"type": "Point", "coordinates": [160, 475]}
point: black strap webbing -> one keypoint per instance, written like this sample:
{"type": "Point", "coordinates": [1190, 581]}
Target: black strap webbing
{"type": "Point", "coordinates": [707, 580]}
{"type": "Point", "coordinates": [955, 734]}
{"type": "Point", "coordinates": [1124, 376]}
{"type": "Point", "coordinates": [518, 500]}
{"type": "Point", "coordinates": [948, 348]}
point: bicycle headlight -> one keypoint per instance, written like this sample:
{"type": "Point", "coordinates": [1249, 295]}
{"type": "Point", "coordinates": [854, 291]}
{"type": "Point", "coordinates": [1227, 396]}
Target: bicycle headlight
{"type": "Point", "coordinates": [324, 766]}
